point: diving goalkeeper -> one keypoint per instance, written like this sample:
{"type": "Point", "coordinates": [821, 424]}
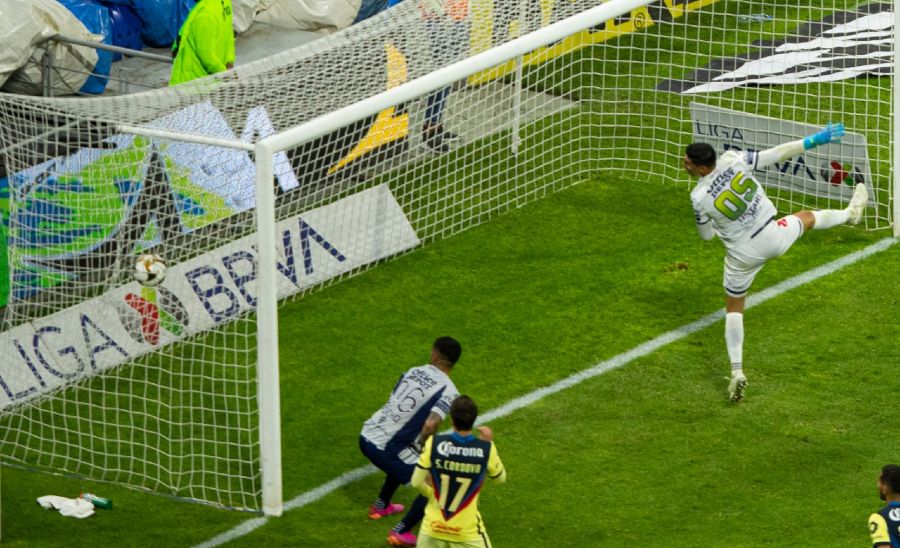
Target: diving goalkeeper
{"type": "Point", "coordinates": [729, 203]}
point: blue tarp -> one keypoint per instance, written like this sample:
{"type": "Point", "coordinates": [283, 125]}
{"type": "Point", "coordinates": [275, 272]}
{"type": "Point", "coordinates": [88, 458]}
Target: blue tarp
{"type": "Point", "coordinates": [126, 28]}
{"type": "Point", "coordinates": [160, 19]}
{"type": "Point", "coordinates": [95, 17]}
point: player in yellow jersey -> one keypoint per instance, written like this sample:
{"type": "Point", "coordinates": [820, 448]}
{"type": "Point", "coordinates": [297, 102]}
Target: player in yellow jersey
{"type": "Point", "coordinates": [450, 474]}
{"type": "Point", "coordinates": [884, 525]}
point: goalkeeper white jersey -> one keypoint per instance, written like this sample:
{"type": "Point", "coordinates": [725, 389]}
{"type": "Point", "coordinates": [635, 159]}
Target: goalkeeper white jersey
{"type": "Point", "coordinates": [419, 391]}
{"type": "Point", "coordinates": [732, 200]}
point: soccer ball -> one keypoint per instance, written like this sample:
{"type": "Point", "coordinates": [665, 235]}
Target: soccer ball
{"type": "Point", "coordinates": [149, 270]}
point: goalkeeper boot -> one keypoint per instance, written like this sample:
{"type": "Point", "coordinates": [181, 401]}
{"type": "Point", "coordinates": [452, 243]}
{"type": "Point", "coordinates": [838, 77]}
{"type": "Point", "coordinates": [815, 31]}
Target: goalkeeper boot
{"type": "Point", "coordinates": [390, 509]}
{"type": "Point", "coordinates": [736, 387]}
{"type": "Point", "coordinates": [857, 206]}
{"type": "Point", "coordinates": [401, 539]}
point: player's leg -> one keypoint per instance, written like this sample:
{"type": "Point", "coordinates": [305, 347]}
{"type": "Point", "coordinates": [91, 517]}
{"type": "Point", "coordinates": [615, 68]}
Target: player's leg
{"type": "Point", "coordinates": [383, 506]}
{"type": "Point", "coordinates": [741, 267]}
{"type": "Point", "coordinates": [734, 342]}
{"type": "Point", "coordinates": [383, 460]}
{"type": "Point", "coordinates": [401, 534]}
{"type": "Point", "coordinates": [827, 218]}
{"type": "Point", "coordinates": [740, 271]}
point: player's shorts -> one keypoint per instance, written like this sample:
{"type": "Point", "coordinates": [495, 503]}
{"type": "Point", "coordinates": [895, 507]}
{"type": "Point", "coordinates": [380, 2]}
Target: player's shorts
{"type": "Point", "coordinates": [390, 462]}
{"type": "Point", "coordinates": [744, 262]}
{"type": "Point", "coordinates": [431, 542]}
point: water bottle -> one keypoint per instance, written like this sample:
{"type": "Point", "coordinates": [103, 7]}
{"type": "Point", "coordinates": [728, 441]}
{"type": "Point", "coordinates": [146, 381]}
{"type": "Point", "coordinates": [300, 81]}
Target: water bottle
{"type": "Point", "coordinates": [98, 502]}
{"type": "Point", "coordinates": [755, 18]}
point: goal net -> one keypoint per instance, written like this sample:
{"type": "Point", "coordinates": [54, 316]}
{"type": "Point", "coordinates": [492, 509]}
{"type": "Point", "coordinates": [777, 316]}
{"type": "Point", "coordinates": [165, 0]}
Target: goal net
{"type": "Point", "coordinates": [319, 163]}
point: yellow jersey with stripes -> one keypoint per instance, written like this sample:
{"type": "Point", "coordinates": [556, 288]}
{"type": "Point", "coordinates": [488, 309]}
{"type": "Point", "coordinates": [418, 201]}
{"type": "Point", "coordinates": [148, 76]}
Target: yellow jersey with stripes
{"type": "Point", "coordinates": [457, 466]}
{"type": "Point", "coordinates": [884, 526]}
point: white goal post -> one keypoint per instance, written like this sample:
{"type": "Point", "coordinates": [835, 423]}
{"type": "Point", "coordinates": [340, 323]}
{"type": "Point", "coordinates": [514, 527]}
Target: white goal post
{"type": "Point", "coordinates": [302, 170]}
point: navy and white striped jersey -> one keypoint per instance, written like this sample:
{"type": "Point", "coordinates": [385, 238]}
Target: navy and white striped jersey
{"type": "Point", "coordinates": [420, 391]}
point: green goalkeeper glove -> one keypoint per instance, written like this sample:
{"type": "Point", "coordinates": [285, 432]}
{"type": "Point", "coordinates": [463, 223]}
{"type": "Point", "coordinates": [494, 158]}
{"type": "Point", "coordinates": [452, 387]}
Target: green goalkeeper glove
{"type": "Point", "coordinates": [831, 133]}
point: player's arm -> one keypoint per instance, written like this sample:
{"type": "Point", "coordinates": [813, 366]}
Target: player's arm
{"type": "Point", "coordinates": [704, 226]}
{"type": "Point", "coordinates": [831, 133]}
{"type": "Point", "coordinates": [496, 470]}
{"type": "Point", "coordinates": [432, 423]}
{"type": "Point", "coordinates": [419, 482]}
{"type": "Point", "coordinates": [879, 531]}
{"type": "Point", "coordinates": [419, 479]}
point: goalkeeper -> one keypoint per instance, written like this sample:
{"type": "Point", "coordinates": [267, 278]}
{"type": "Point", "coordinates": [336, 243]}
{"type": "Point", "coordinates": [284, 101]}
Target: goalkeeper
{"type": "Point", "coordinates": [729, 203]}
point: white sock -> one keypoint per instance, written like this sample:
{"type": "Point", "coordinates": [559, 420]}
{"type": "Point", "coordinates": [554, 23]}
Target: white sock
{"type": "Point", "coordinates": [828, 218]}
{"type": "Point", "coordinates": [734, 340]}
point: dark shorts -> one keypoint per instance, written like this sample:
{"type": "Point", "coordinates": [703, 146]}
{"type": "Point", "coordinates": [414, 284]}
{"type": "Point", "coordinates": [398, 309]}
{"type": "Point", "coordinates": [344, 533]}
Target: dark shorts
{"type": "Point", "coordinates": [387, 460]}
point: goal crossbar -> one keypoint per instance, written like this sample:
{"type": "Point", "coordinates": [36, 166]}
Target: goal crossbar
{"type": "Point", "coordinates": [267, 315]}
{"type": "Point", "coordinates": [441, 77]}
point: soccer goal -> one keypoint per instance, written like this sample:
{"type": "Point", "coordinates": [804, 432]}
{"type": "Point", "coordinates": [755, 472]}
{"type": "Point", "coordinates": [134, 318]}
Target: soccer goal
{"type": "Point", "coordinates": [292, 173]}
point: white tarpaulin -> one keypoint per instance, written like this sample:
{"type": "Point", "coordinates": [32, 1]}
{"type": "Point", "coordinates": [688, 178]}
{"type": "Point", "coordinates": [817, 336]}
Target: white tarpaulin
{"type": "Point", "coordinates": [829, 171]}
{"type": "Point", "coordinates": [295, 14]}
{"type": "Point", "coordinates": [24, 25]}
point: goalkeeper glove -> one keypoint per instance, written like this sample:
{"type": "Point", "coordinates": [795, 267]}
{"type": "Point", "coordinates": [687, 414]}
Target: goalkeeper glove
{"type": "Point", "coordinates": [831, 133]}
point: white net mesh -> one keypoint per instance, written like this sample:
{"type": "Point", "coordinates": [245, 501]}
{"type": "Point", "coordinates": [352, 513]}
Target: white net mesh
{"type": "Point", "coordinates": [174, 410]}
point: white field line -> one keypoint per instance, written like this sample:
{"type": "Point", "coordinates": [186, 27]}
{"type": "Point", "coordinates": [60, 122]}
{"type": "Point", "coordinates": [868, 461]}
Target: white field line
{"type": "Point", "coordinates": [607, 365]}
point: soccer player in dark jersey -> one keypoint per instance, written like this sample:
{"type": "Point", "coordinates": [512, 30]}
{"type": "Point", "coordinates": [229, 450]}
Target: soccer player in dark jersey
{"type": "Point", "coordinates": [450, 473]}
{"type": "Point", "coordinates": [884, 525]}
{"type": "Point", "coordinates": [392, 438]}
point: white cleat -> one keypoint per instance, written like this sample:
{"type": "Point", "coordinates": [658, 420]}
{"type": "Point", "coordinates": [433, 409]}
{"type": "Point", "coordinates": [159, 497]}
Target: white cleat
{"type": "Point", "coordinates": [736, 387]}
{"type": "Point", "coordinates": [857, 206]}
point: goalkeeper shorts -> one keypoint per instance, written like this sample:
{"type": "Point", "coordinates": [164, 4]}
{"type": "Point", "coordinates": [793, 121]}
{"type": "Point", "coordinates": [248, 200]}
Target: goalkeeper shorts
{"type": "Point", "coordinates": [744, 262]}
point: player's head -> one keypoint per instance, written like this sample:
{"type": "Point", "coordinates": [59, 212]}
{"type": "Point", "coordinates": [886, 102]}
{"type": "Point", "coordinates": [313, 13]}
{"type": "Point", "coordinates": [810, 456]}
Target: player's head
{"type": "Point", "coordinates": [889, 482]}
{"type": "Point", "coordinates": [463, 413]}
{"type": "Point", "coordinates": [447, 350]}
{"type": "Point", "coordinates": [699, 159]}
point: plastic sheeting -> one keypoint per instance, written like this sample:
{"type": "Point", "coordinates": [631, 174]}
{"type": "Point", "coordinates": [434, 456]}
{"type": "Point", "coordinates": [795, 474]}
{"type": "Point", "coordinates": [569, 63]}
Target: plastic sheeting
{"type": "Point", "coordinates": [161, 18]}
{"type": "Point", "coordinates": [295, 14]}
{"type": "Point", "coordinates": [25, 26]}
{"type": "Point", "coordinates": [126, 28]}
{"type": "Point", "coordinates": [95, 17]}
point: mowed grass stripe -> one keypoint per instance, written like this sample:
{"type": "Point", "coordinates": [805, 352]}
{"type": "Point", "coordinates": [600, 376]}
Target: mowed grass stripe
{"type": "Point", "coordinates": [616, 362]}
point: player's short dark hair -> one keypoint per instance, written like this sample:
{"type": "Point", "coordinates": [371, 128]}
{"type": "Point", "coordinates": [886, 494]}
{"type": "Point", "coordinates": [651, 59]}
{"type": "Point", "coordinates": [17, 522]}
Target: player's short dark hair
{"type": "Point", "coordinates": [890, 476]}
{"type": "Point", "coordinates": [463, 413]}
{"type": "Point", "coordinates": [701, 154]}
{"type": "Point", "coordinates": [449, 348]}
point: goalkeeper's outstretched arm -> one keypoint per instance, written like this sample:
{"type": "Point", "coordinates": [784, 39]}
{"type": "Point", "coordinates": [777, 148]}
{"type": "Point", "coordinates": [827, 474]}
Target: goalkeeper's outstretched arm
{"type": "Point", "coordinates": [831, 133]}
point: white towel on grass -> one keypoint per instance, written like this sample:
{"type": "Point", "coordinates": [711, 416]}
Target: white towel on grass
{"type": "Point", "coordinates": [76, 508]}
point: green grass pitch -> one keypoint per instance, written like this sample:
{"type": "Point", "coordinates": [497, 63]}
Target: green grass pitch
{"type": "Point", "coordinates": [649, 454]}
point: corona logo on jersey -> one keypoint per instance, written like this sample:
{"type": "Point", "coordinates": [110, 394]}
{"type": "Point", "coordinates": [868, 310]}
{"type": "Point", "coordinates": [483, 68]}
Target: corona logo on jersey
{"type": "Point", "coordinates": [843, 45]}
{"type": "Point", "coordinates": [447, 449]}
